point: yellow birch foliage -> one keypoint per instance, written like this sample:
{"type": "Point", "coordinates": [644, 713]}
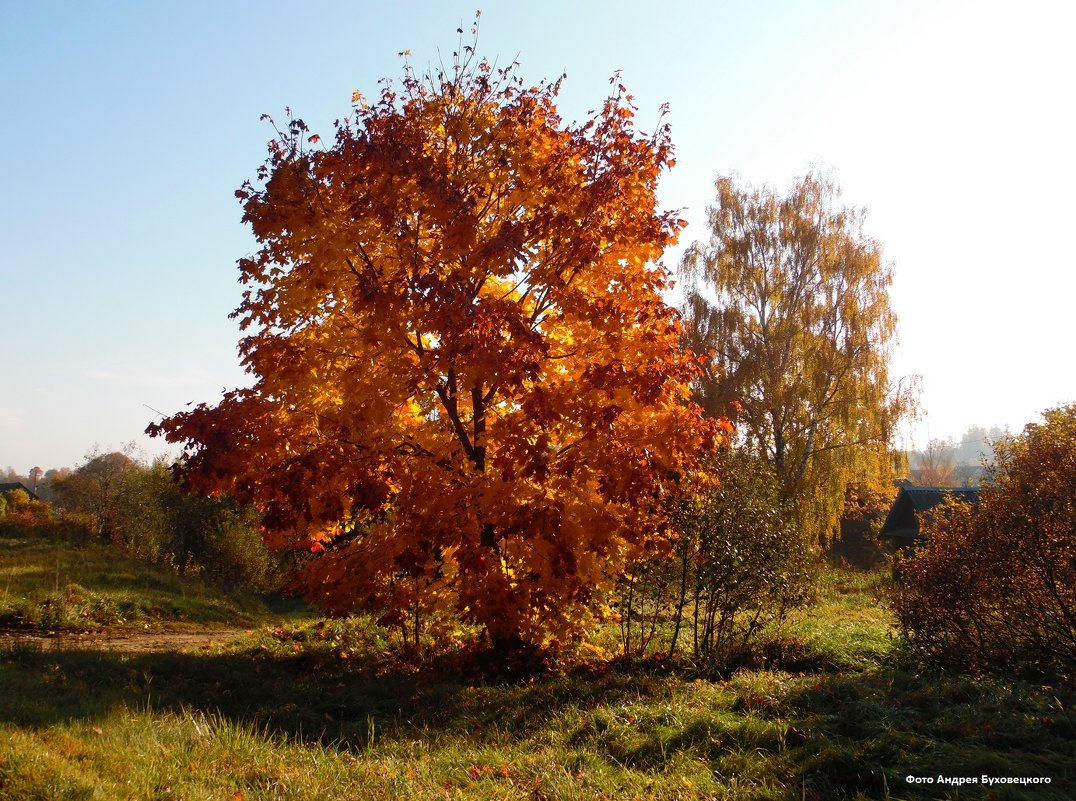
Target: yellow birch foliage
{"type": "Point", "coordinates": [790, 300]}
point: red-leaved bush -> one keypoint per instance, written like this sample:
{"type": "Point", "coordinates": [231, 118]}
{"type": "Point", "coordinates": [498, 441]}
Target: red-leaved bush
{"type": "Point", "coordinates": [995, 587]}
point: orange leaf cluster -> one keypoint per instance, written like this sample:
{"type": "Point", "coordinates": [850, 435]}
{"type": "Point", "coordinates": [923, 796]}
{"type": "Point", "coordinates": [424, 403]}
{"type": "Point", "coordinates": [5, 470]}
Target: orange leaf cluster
{"type": "Point", "coordinates": [469, 392]}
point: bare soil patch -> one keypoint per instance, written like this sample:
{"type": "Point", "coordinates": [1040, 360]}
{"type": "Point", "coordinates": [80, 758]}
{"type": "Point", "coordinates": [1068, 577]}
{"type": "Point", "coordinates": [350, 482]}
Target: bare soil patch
{"type": "Point", "coordinates": [131, 640]}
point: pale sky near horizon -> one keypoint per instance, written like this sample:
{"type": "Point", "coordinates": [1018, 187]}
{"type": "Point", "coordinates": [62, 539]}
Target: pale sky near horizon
{"type": "Point", "coordinates": [129, 125]}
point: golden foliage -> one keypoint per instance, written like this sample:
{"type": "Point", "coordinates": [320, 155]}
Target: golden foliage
{"type": "Point", "coordinates": [469, 394]}
{"type": "Point", "coordinates": [790, 303]}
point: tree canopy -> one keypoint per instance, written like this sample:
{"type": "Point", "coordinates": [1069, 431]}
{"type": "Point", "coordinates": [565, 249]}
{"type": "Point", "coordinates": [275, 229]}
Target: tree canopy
{"type": "Point", "coordinates": [789, 300]}
{"type": "Point", "coordinates": [468, 394]}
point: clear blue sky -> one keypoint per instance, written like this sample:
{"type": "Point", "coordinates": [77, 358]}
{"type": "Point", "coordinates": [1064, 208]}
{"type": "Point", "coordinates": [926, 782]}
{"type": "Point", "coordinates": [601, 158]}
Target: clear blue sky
{"type": "Point", "coordinates": [129, 125]}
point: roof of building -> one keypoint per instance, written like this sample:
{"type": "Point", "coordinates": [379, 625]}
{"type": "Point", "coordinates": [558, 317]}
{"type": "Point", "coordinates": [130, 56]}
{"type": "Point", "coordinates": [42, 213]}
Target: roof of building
{"type": "Point", "coordinates": [902, 522]}
{"type": "Point", "coordinates": [18, 485]}
{"type": "Point", "coordinates": [924, 498]}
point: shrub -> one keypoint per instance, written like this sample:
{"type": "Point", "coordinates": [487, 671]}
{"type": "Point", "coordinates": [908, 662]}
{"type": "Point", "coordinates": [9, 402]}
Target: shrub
{"type": "Point", "coordinates": [144, 512]}
{"type": "Point", "coordinates": [139, 509]}
{"type": "Point", "coordinates": [16, 500]}
{"type": "Point", "coordinates": [738, 563]}
{"type": "Point", "coordinates": [220, 539]}
{"type": "Point", "coordinates": [21, 512]}
{"type": "Point", "coordinates": [995, 587]}
{"type": "Point", "coordinates": [78, 527]}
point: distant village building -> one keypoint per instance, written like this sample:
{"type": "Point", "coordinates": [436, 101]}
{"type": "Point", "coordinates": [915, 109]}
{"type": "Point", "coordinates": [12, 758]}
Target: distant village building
{"type": "Point", "coordinates": [18, 485]}
{"type": "Point", "coordinates": [901, 525]}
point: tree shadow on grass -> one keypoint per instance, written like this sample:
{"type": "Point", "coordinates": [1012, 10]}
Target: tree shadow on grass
{"type": "Point", "coordinates": [302, 695]}
{"type": "Point", "coordinates": [868, 732]}
{"type": "Point", "coordinates": [826, 735]}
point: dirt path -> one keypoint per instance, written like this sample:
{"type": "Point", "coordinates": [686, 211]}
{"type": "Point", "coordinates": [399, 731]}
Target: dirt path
{"type": "Point", "coordinates": [126, 640]}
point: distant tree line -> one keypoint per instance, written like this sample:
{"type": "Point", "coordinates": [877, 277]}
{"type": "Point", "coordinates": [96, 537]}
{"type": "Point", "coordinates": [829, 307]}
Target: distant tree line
{"type": "Point", "coordinates": [137, 508]}
{"type": "Point", "coordinates": [951, 463]}
{"type": "Point", "coordinates": [38, 481]}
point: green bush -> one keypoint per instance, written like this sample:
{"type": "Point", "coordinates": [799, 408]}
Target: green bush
{"type": "Point", "coordinates": [737, 564]}
{"type": "Point", "coordinates": [140, 509]}
{"type": "Point", "coordinates": [144, 513]}
{"type": "Point", "coordinates": [220, 540]}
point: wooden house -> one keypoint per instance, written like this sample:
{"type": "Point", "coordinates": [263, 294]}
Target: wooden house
{"type": "Point", "coordinates": [901, 525]}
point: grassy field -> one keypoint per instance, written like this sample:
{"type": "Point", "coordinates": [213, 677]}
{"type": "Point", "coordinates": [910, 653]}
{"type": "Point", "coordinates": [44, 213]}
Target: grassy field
{"type": "Point", "coordinates": [830, 707]}
{"type": "Point", "coordinates": [47, 583]}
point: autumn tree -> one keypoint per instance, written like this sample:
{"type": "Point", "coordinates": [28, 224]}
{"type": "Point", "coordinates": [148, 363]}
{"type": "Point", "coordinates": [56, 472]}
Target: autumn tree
{"type": "Point", "coordinates": [468, 393]}
{"type": "Point", "coordinates": [978, 442]}
{"type": "Point", "coordinates": [35, 475]}
{"type": "Point", "coordinates": [789, 299]}
{"type": "Point", "coordinates": [16, 500]}
{"type": "Point", "coordinates": [98, 487]}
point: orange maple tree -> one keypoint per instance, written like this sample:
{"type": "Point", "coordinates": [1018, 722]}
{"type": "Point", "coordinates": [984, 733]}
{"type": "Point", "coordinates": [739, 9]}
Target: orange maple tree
{"type": "Point", "coordinates": [469, 393]}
